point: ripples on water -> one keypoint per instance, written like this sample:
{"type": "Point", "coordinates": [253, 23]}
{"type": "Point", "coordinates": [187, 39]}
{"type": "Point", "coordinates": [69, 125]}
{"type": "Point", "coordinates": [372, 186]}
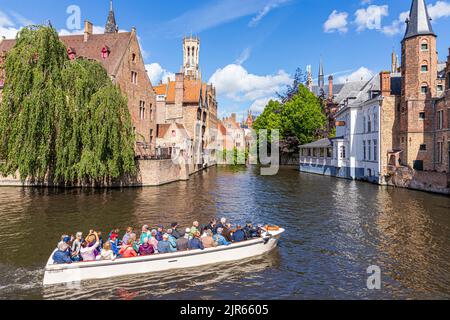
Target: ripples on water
{"type": "Point", "coordinates": [335, 230]}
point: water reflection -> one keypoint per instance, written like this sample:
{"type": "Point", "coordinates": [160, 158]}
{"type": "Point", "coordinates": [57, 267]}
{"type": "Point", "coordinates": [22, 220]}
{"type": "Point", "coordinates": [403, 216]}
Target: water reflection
{"type": "Point", "coordinates": [335, 230]}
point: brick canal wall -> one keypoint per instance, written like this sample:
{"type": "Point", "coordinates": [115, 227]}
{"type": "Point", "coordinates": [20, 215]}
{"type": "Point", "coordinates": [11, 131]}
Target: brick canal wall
{"type": "Point", "coordinates": [150, 173]}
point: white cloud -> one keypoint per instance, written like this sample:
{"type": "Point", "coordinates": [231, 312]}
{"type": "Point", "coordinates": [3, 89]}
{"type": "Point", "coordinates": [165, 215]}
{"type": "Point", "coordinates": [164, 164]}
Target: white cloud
{"type": "Point", "coordinates": [156, 73]}
{"type": "Point", "coordinates": [265, 11]}
{"type": "Point", "coordinates": [370, 18]}
{"type": "Point", "coordinates": [337, 21]}
{"type": "Point", "coordinates": [8, 27]}
{"type": "Point", "coordinates": [215, 13]}
{"type": "Point", "coordinates": [236, 83]}
{"type": "Point", "coordinates": [245, 55]}
{"type": "Point", "coordinates": [440, 9]}
{"type": "Point", "coordinates": [259, 105]}
{"type": "Point", "coordinates": [397, 26]}
{"type": "Point", "coordinates": [361, 74]}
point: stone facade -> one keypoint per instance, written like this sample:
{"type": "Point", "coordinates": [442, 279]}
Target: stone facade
{"type": "Point", "coordinates": [192, 103]}
{"type": "Point", "coordinates": [150, 173]}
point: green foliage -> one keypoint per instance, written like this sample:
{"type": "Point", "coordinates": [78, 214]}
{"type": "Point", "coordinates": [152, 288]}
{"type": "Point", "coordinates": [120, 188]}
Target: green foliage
{"type": "Point", "coordinates": [60, 119]}
{"type": "Point", "coordinates": [237, 157]}
{"type": "Point", "coordinates": [300, 117]}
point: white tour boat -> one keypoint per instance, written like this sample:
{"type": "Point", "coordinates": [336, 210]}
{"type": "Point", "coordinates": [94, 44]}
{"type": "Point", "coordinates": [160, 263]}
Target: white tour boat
{"type": "Point", "coordinates": [75, 272]}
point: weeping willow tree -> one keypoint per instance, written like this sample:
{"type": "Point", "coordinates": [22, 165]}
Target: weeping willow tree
{"type": "Point", "coordinates": [61, 120]}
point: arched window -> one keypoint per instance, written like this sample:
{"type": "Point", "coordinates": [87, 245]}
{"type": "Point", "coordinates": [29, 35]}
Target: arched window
{"type": "Point", "coordinates": [424, 45]}
{"type": "Point", "coordinates": [424, 66]}
{"type": "Point", "coordinates": [424, 88]}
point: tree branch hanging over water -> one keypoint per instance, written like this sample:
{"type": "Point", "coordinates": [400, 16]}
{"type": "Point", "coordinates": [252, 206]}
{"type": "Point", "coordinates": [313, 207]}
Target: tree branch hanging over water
{"type": "Point", "coordinates": [60, 120]}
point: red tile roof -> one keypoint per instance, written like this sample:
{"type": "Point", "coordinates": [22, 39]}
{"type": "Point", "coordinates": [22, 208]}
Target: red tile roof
{"type": "Point", "coordinates": [117, 43]}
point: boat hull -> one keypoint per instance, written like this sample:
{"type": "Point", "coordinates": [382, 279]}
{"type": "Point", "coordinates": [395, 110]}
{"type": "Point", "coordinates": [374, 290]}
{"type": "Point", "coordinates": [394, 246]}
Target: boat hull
{"type": "Point", "coordinates": [76, 272]}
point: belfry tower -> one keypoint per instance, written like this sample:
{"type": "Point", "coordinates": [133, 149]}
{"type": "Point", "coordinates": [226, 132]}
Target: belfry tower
{"type": "Point", "coordinates": [111, 25]}
{"type": "Point", "coordinates": [419, 73]}
{"type": "Point", "coordinates": [191, 57]}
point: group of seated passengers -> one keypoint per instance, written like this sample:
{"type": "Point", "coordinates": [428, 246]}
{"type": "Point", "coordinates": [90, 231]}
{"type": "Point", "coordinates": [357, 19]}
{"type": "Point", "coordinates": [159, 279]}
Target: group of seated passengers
{"type": "Point", "coordinates": [93, 248]}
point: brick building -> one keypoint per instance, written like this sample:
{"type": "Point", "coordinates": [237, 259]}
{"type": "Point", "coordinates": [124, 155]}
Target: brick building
{"type": "Point", "coordinates": [120, 54]}
{"type": "Point", "coordinates": [442, 123]}
{"type": "Point", "coordinates": [423, 81]}
{"type": "Point", "coordinates": [192, 103]}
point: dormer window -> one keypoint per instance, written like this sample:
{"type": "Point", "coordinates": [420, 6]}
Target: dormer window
{"type": "Point", "coordinates": [105, 52]}
{"type": "Point", "coordinates": [72, 54]}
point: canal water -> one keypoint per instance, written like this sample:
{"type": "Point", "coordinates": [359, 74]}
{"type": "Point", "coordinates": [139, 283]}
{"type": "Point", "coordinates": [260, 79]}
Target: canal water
{"type": "Point", "coordinates": [336, 229]}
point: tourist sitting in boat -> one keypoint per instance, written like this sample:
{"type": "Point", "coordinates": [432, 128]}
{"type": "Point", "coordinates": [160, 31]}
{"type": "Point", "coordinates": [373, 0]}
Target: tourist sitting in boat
{"type": "Point", "coordinates": [196, 243]}
{"type": "Point", "coordinates": [239, 234]}
{"type": "Point", "coordinates": [164, 245]}
{"type": "Point", "coordinates": [146, 248]}
{"type": "Point", "coordinates": [135, 243]}
{"type": "Point", "coordinates": [220, 239]}
{"type": "Point", "coordinates": [160, 232]}
{"type": "Point", "coordinates": [107, 253]}
{"type": "Point", "coordinates": [114, 234]}
{"type": "Point", "coordinates": [153, 240]}
{"type": "Point", "coordinates": [145, 234]}
{"type": "Point", "coordinates": [88, 247]}
{"type": "Point", "coordinates": [207, 240]}
{"type": "Point", "coordinates": [175, 233]}
{"type": "Point", "coordinates": [172, 240]}
{"type": "Point", "coordinates": [222, 223]}
{"type": "Point", "coordinates": [127, 235]}
{"type": "Point", "coordinates": [62, 256]}
{"type": "Point", "coordinates": [227, 232]}
{"type": "Point", "coordinates": [251, 231]}
{"type": "Point", "coordinates": [194, 228]}
{"type": "Point", "coordinates": [76, 246]}
{"type": "Point", "coordinates": [212, 226]}
{"type": "Point", "coordinates": [127, 250]}
{"type": "Point", "coordinates": [183, 242]}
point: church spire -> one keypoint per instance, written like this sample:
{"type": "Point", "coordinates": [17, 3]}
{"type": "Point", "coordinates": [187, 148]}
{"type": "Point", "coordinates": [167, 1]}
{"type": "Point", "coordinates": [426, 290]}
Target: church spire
{"type": "Point", "coordinates": [419, 21]}
{"type": "Point", "coordinates": [111, 26]}
{"type": "Point", "coordinates": [321, 75]}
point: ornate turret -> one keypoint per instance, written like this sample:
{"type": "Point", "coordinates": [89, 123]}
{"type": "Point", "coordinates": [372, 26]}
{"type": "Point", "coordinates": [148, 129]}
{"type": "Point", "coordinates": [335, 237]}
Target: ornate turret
{"type": "Point", "coordinates": [419, 21]}
{"type": "Point", "coordinates": [111, 26]}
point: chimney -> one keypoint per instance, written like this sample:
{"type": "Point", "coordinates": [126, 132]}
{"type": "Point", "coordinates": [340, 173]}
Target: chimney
{"type": "Point", "coordinates": [88, 30]}
{"type": "Point", "coordinates": [385, 83]}
{"type": "Point", "coordinates": [330, 87]}
{"type": "Point", "coordinates": [179, 89]}
{"type": "Point", "coordinates": [233, 116]}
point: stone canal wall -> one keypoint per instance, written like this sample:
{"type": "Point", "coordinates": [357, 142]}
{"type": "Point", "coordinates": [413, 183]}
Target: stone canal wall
{"type": "Point", "coordinates": [150, 173]}
{"type": "Point", "coordinates": [405, 177]}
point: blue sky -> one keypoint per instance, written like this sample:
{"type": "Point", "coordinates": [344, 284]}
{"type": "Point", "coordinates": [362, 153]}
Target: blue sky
{"type": "Point", "coordinates": [249, 48]}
